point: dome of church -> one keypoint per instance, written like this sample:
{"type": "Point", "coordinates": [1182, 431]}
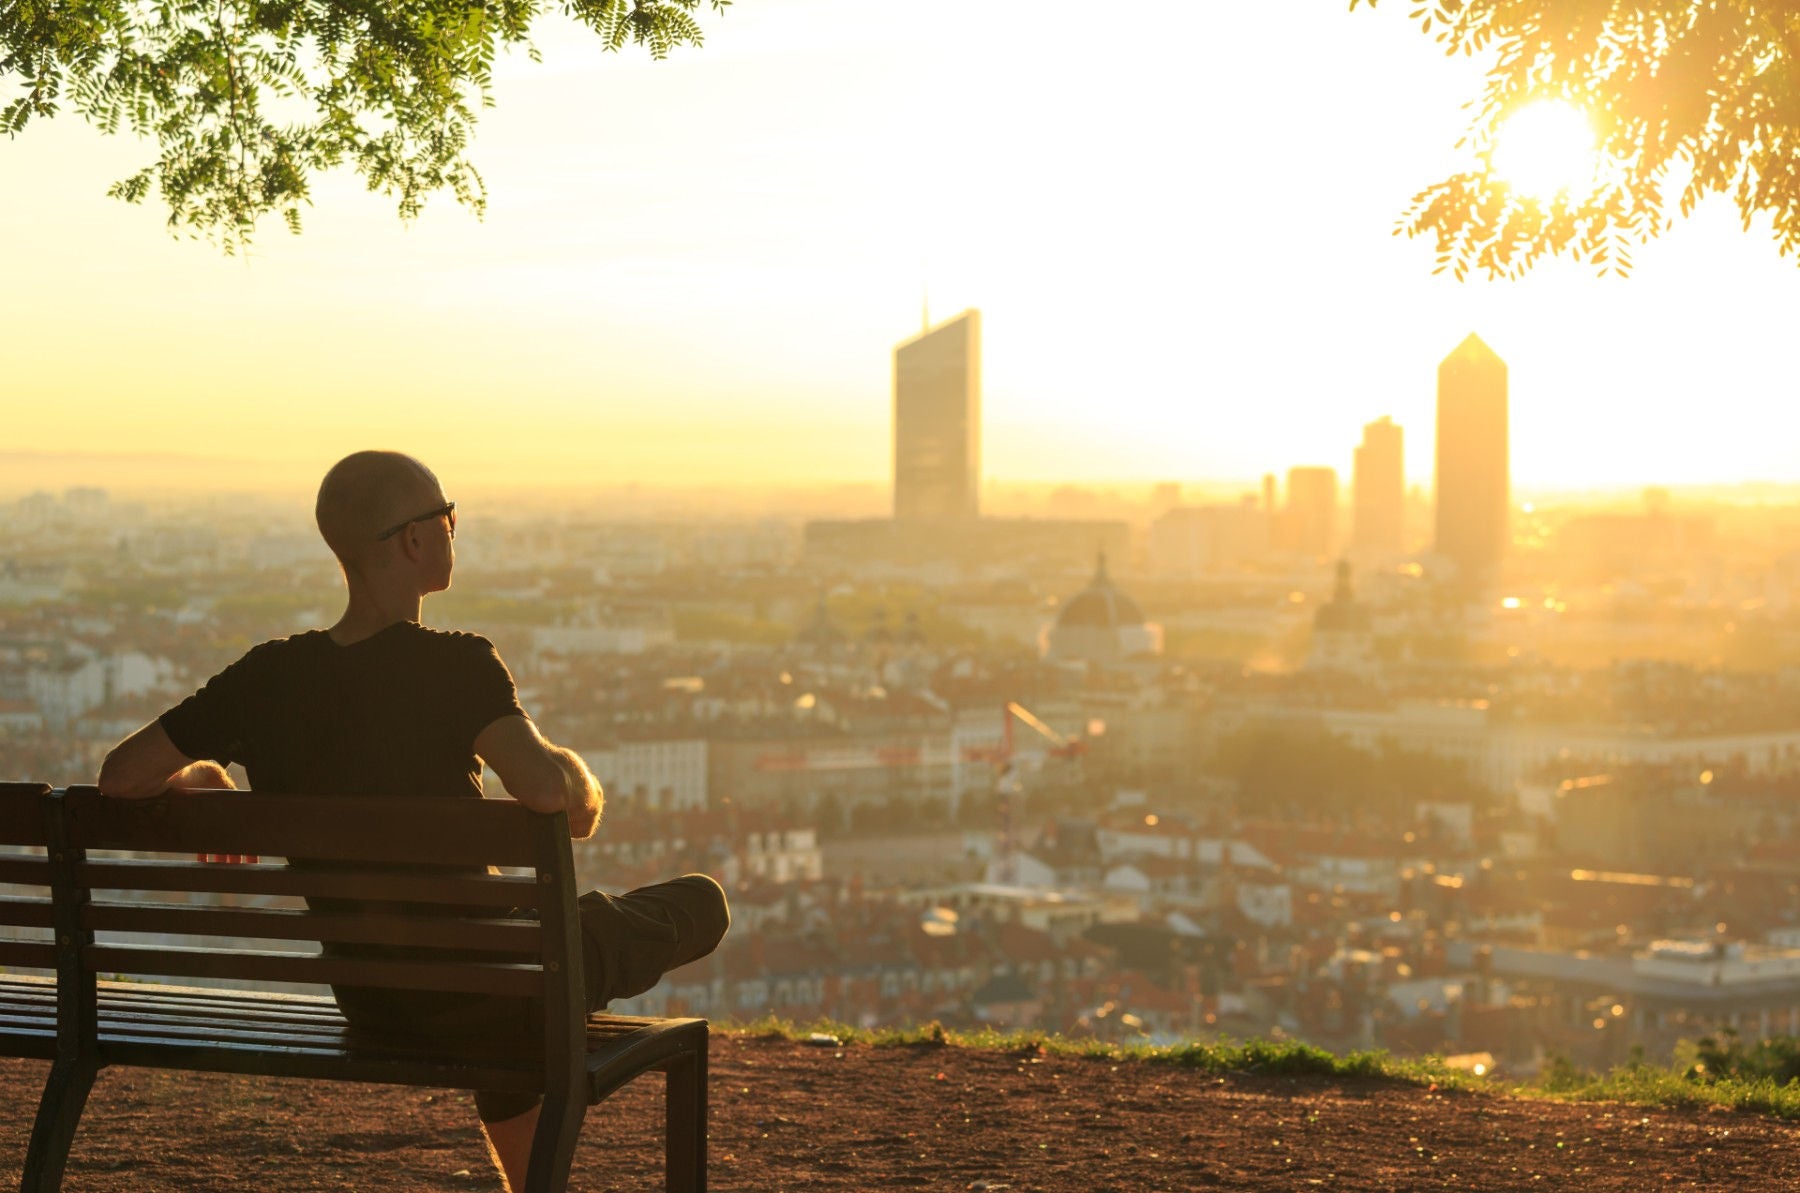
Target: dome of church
{"type": "Point", "coordinates": [1101, 623]}
{"type": "Point", "coordinates": [1100, 605]}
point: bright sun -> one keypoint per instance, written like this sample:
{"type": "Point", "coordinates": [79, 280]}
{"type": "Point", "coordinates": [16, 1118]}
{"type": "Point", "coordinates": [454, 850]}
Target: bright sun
{"type": "Point", "coordinates": [1545, 148]}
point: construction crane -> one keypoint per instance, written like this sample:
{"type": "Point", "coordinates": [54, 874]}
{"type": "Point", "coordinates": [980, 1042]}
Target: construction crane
{"type": "Point", "coordinates": [1009, 789]}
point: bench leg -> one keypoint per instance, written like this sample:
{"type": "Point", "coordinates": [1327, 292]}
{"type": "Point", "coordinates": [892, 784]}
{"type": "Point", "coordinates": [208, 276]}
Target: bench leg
{"type": "Point", "coordinates": [65, 1094]}
{"type": "Point", "coordinates": [553, 1147]}
{"type": "Point", "coordinates": [685, 1132]}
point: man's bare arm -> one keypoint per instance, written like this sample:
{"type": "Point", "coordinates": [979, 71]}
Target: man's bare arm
{"type": "Point", "coordinates": [147, 763]}
{"type": "Point", "coordinates": [543, 777]}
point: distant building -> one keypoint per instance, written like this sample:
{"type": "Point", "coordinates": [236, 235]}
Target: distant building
{"type": "Point", "coordinates": [1473, 487]}
{"type": "Point", "coordinates": [661, 776]}
{"type": "Point", "coordinates": [937, 422]}
{"type": "Point", "coordinates": [1312, 510]}
{"type": "Point", "coordinates": [941, 550]}
{"type": "Point", "coordinates": [1378, 490]}
{"type": "Point", "coordinates": [1193, 540]}
{"type": "Point", "coordinates": [1100, 624]}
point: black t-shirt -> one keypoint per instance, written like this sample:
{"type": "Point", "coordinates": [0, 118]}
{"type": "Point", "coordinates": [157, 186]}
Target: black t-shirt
{"type": "Point", "coordinates": [394, 714]}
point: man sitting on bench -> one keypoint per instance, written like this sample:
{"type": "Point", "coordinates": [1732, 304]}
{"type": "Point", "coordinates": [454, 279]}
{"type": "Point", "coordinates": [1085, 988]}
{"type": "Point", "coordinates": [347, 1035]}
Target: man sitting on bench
{"type": "Point", "coordinates": [380, 705]}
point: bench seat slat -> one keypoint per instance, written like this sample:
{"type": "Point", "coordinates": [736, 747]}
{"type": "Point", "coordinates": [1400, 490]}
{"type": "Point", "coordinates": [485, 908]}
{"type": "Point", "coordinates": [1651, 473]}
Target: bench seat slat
{"type": "Point", "coordinates": [217, 996]}
{"type": "Point", "coordinates": [156, 1015]}
{"type": "Point", "coordinates": [493, 977]}
{"type": "Point", "coordinates": [397, 829]}
{"type": "Point", "coordinates": [511, 936]}
{"type": "Point", "coordinates": [29, 1001]}
{"type": "Point", "coordinates": [189, 1029]}
{"type": "Point", "coordinates": [161, 874]}
{"type": "Point", "coordinates": [301, 1021]}
{"type": "Point", "coordinates": [25, 994]}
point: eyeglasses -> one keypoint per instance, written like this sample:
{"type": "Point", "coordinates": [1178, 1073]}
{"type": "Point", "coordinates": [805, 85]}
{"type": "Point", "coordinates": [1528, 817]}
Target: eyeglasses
{"type": "Point", "coordinates": [447, 510]}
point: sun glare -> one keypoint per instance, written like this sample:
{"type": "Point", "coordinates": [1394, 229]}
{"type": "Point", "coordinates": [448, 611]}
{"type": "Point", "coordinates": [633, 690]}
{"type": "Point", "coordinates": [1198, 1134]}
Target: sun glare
{"type": "Point", "coordinates": [1546, 148]}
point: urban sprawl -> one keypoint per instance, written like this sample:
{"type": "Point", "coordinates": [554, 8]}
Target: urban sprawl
{"type": "Point", "coordinates": [1431, 770]}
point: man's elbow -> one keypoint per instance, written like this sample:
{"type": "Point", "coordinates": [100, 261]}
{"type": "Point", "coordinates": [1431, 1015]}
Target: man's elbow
{"type": "Point", "coordinates": [542, 788]}
{"type": "Point", "coordinates": [117, 781]}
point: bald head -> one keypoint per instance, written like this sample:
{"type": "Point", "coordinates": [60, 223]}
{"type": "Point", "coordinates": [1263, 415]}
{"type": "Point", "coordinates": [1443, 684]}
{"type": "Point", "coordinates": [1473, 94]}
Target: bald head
{"type": "Point", "coordinates": [368, 492]}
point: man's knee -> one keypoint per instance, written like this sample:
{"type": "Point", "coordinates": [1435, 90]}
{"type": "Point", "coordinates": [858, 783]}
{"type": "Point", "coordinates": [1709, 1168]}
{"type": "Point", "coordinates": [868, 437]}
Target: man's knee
{"type": "Point", "coordinates": [709, 908]}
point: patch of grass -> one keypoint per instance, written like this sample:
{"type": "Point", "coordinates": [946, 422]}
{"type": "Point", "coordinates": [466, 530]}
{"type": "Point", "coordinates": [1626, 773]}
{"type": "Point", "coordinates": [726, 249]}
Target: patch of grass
{"type": "Point", "coordinates": [1283, 1058]}
{"type": "Point", "coordinates": [1637, 1084]}
{"type": "Point", "coordinates": [1641, 1084]}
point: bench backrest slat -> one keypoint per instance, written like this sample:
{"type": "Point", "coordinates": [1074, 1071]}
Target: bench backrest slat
{"type": "Point", "coordinates": [509, 936]}
{"type": "Point", "coordinates": [27, 911]}
{"type": "Point", "coordinates": [500, 892]}
{"type": "Point", "coordinates": [25, 871]}
{"type": "Point", "coordinates": [391, 830]}
{"type": "Point", "coordinates": [243, 964]}
{"type": "Point", "coordinates": [22, 814]}
{"type": "Point", "coordinates": [27, 954]}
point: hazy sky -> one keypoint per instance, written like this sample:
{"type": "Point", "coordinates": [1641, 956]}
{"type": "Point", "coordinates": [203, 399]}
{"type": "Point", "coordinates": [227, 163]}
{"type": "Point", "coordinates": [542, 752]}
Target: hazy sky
{"type": "Point", "coordinates": [694, 271]}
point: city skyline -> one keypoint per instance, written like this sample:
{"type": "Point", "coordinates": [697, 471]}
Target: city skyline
{"type": "Point", "coordinates": [675, 294]}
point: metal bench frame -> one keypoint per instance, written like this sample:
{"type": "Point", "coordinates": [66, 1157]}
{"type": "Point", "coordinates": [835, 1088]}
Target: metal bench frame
{"type": "Point", "coordinates": [83, 1024]}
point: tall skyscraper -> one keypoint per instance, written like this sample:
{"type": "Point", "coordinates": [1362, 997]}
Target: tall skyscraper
{"type": "Point", "coordinates": [1378, 483]}
{"type": "Point", "coordinates": [1473, 487]}
{"type": "Point", "coordinates": [1312, 510]}
{"type": "Point", "coordinates": [937, 422]}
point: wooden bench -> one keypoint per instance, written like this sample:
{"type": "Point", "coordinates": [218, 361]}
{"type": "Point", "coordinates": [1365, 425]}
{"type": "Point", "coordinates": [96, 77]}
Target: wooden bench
{"type": "Point", "coordinates": [86, 914]}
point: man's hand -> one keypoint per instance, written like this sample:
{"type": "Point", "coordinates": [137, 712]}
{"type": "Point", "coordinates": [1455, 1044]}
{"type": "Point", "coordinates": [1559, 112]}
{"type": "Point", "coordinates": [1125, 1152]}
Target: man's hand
{"type": "Point", "coordinates": [209, 776]}
{"type": "Point", "coordinates": [585, 796]}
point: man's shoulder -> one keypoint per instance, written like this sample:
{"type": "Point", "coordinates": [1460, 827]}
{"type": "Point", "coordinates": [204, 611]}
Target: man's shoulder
{"type": "Point", "coordinates": [452, 640]}
{"type": "Point", "coordinates": [293, 646]}
{"type": "Point", "coordinates": [460, 646]}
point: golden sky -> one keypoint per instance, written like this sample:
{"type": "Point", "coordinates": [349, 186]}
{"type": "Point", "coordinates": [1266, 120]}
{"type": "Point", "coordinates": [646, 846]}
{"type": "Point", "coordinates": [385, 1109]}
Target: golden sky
{"type": "Point", "coordinates": [694, 272]}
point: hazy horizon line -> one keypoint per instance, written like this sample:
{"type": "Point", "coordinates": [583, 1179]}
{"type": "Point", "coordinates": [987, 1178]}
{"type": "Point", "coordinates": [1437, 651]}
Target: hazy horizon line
{"type": "Point", "coordinates": [232, 474]}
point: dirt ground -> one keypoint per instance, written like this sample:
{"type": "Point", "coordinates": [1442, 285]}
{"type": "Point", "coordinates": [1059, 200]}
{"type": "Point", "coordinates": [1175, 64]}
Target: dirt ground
{"type": "Point", "coordinates": [788, 1116]}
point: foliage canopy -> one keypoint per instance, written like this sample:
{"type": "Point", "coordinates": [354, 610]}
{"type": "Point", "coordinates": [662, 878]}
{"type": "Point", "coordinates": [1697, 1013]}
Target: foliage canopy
{"type": "Point", "coordinates": [247, 98]}
{"type": "Point", "coordinates": [1688, 98]}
